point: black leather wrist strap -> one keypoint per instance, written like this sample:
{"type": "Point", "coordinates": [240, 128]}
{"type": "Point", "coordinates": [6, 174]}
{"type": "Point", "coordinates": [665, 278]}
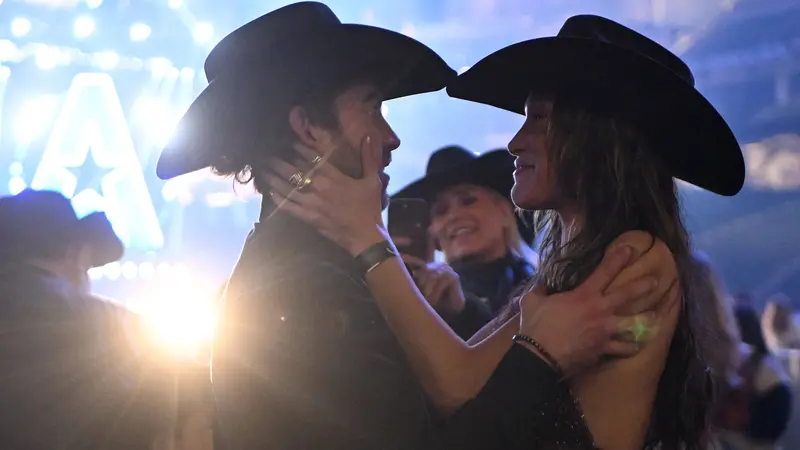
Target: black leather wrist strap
{"type": "Point", "coordinates": [374, 255]}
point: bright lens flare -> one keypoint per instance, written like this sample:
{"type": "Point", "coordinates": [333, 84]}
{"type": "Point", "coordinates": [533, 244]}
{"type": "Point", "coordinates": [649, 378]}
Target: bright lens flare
{"type": "Point", "coordinates": [181, 318]}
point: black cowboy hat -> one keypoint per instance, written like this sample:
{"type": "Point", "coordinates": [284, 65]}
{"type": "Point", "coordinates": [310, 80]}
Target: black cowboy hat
{"type": "Point", "coordinates": [278, 56]}
{"type": "Point", "coordinates": [41, 218]}
{"type": "Point", "coordinates": [454, 165]}
{"type": "Point", "coordinates": [619, 68]}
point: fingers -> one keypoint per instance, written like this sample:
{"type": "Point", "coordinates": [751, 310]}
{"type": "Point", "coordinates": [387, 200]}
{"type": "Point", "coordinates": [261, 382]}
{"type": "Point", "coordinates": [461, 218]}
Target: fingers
{"type": "Point", "coordinates": [371, 156]}
{"type": "Point", "coordinates": [413, 261]}
{"type": "Point", "coordinates": [318, 163]}
{"type": "Point", "coordinates": [654, 301]}
{"type": "Point", "coordinates": [431, 249]}
{"type": "Point", "coordinates": [629, 293]}
{"type": "Point", "coordinates": [279, 185]}
{"type": "Point", "coordinates": [621, 349]}
{"type": "Point", "coordinates": [281, 168]}
{"type": "Point", "coordinates": [640, 329]}
{"type": "Point", "coordinates": [308, 153]}
{"type": "Point", "coordinates": [305, 214]}
{"type": "Point", "coordinates": [401, 241]}
{"type": "Point", "coordinates": [287, 191]}
{"type": "Point", "coordinates": [438, 286]}
{"type": "Point", "coordinates": [611, 266]}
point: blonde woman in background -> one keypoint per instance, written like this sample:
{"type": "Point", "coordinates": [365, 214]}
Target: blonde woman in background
{"type": "Point", "coordinates": [473, 223]}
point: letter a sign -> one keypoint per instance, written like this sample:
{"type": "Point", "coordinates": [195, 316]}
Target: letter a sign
{"type": "Point", "coordinates": [91, 131]}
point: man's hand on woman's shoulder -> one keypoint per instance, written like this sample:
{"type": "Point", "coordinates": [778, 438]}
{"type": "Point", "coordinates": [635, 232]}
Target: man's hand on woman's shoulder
{"type": "Point", "coordinates": [651, 257]}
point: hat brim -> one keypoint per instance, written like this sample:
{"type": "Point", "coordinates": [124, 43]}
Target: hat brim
{"type": "Point", "coordinates": [695, 141]}
{"type": "Point", "coordinates": [399, 65]}
{"type": "Point", "coordinates": [96, 230]}
{"type": "Point", "coordinates": [492, 170]}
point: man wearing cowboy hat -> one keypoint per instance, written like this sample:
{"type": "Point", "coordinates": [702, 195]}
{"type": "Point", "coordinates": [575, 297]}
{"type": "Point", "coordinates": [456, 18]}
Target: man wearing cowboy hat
{"type": "Point", "coordinates": [65, 363]}
{"type": "Point", "coordinates": [303, 358]}
{"type": "Point", "coordinates": [40, 230]}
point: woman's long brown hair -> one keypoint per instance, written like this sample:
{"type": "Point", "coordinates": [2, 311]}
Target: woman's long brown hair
{"type": "Point", "coordinates": [614, 177]}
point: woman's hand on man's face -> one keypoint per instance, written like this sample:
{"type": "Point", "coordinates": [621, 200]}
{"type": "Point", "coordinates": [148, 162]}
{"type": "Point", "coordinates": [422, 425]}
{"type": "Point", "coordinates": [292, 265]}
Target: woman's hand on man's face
{"type": "Point", "coordinates": [344, 209]}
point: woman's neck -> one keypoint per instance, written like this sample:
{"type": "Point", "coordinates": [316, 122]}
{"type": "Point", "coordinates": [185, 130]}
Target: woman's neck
{"type": "Point", "coordinates": [571, 223]}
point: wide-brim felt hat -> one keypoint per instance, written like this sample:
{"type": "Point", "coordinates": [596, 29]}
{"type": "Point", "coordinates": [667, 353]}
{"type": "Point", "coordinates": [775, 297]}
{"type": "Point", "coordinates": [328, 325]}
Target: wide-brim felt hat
{"type": "Point", "coordinates": [453, 165]}
{"type": "Point", "coordinates": [605, 63]}
{"type": "Point", "coordinates": [267, 62]}
{"type": "Point", "coordinates": [42, 217]}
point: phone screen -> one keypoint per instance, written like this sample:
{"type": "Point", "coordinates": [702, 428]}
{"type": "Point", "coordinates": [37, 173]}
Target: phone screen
{"type": "Point", "coordinates": [410, 218]}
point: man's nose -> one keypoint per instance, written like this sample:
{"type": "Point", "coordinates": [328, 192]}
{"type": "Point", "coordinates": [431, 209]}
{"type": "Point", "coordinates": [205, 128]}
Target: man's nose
{"type": "Point", "coordinates": [392, 142]}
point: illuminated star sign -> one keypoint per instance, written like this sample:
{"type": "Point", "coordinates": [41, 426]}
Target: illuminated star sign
{"type": "Point", "coordinates": [89, 175]}
{"type": "Point", "coordinates": [91, 139]}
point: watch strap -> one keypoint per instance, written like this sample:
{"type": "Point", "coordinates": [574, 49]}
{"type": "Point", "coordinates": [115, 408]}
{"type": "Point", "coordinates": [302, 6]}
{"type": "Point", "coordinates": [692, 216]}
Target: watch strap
{"type": "Point", "coordinates": [374, 256]}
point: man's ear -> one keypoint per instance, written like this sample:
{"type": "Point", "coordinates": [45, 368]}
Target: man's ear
{"type": "Point", "coordinates": [309, 134]}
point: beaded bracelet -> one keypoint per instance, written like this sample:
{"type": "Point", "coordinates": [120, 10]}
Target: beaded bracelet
{"type": "Point", "coordinates": [545, 354]}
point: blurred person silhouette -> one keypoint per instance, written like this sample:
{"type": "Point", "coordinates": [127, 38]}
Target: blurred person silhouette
{"type": "Point", "coordinates": [474, 225]}
{"type": "Point", "coordinates": [66, 361]}
{"type": "Point", "coordinates": [756, 404]}
{"type": "Point", "coordinates": [780, 323]}
{"type": "Point", "coordinates": [612, 119]}
{"type": "Point", "coordinates": [56, 253]}
{"type": "Point", "coordinates": [722, 329]}
{"type": "Point", "coordinates": [303, 358]}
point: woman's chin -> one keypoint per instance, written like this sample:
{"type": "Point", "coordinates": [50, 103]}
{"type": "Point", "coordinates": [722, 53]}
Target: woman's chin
{"type": "Point", "coordinates": [460, 252]}
{"type": "Point", "coordinates": [525, 198]}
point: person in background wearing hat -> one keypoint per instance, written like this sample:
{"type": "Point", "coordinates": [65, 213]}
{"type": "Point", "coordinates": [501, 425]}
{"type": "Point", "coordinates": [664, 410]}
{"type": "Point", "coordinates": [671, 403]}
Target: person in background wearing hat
{"type": "Point", "coordinates": [474, 225]}
{"type": "Point", "coordinates": [303, 358]}
{"type": "Point", "coordinates": [612, 118]}
{"type": "Point", "coordinates": [70, 377]}
{"type": "Point", "coordinates": [26, 240]}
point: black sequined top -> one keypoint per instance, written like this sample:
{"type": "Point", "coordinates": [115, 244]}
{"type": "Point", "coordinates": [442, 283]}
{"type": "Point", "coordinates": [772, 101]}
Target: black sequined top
{"type": "Point", "coordinates": [523, 406]}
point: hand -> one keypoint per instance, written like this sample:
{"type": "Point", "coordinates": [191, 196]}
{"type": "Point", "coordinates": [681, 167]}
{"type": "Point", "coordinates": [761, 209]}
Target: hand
{"type": "Point", "coordinates": [439, 284]}
{"type": "Point", "coordinates": [346, 210]}
{"type": "Point", "coordinates": [580, 326]}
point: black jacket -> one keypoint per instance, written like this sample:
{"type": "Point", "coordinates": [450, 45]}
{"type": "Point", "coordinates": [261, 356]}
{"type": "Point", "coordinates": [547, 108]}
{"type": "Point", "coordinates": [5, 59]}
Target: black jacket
{"type": "Point", "coordinates": [70, 377]}
{"type": "Point", "coordinates": [488, 287]}
{"type": "Point", "coordinates": [304, 360]}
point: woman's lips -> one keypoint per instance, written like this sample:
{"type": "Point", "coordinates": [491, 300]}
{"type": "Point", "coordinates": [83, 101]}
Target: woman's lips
{"type": "Point", "coordinates": [522, 168]}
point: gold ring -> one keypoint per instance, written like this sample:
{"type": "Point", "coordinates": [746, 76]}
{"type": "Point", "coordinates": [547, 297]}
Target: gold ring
{"type": "Point", "coordinates": [304, 184]}
{"type": "Point", "coordinates": [297, 179]}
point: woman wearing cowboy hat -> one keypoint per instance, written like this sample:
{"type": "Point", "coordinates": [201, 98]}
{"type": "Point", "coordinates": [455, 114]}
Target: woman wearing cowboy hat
{"type": "Point", "coordinates": [612, 119]}
{"type": "Point", "coordinates": [474, 225]}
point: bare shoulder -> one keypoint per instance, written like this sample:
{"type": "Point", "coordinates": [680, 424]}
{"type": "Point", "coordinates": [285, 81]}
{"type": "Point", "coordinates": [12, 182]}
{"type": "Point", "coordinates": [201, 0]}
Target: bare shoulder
{"type": "Point", "coordinates": [651, 257]}
{"type": "Point", "coordinates": [641, 242]}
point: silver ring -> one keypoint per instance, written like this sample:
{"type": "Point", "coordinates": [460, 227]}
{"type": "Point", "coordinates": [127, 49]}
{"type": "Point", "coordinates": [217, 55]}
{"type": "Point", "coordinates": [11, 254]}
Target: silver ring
{"type": "Point", "coordinates": [317, 159]}
{"type": "Point", "coordinates": [299, 180]}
